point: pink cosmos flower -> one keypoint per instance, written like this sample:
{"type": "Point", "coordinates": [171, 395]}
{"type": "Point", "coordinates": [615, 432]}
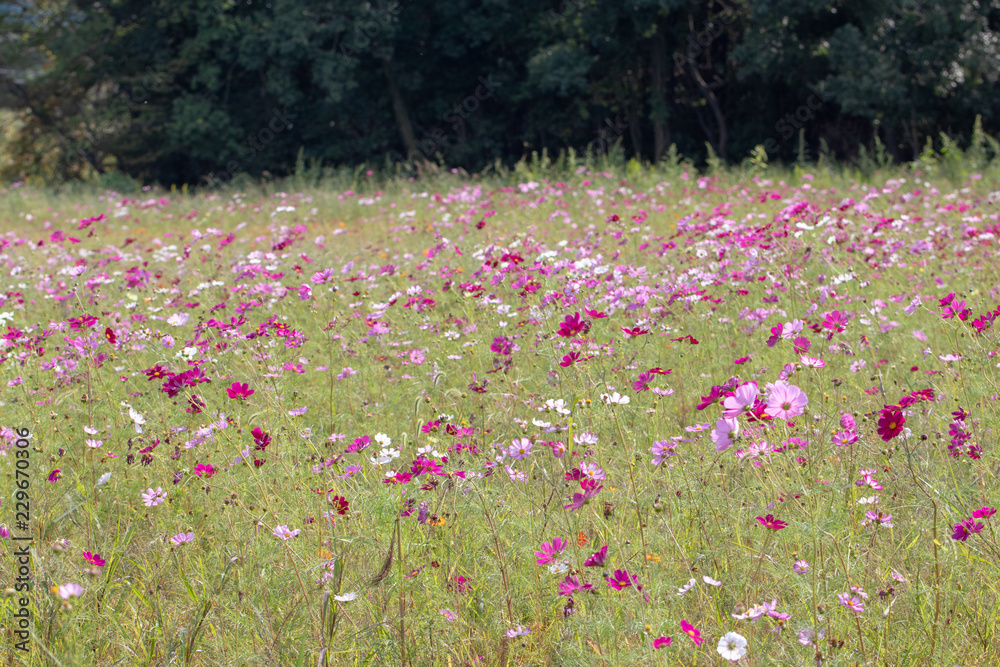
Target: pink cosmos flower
{"type": "Point", "coordinates": [519, 449]}
{"type": "Point", "coordinates": [283, 533]}
{"type": "Point", "coordinates": [571, 585]}
{"type": "Point", "coordinates": [661, 642]}
{"type": "Point", "coordinates": [741, 402]}
{"type": "Point", "coordinates": [590, 489]}
{"type": "Point", "coordinates": [852, 602]}
{"type": "Point", "coordinates": [785, 401]}
{"type": "Point", "coordinates": [550, 550]}
{"type": "Point", "coordinates": [844, 438]}
{"type": "Point", "coordinates": [812, 362]}
{"type": "Point", "coordinates": [724, 432]}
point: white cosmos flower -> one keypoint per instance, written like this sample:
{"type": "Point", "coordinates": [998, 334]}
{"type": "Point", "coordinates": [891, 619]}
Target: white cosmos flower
{"type": "Point", "coordinates": [732, 646]}
{"type": "Point", "coordinates": [615, 399]}
{"type": "Point", "coordinates": [686, 587]}
{"type": "Point", "coordinates": [346, 597]}
{"type": "Point", "coordinates": [710, 581]}
{"type": "Point", "coordinates": [559, 405]}
{"type": "Point", "coordinates": [137, 418]}
{"type": "Point", "coordinates": [383, 440]}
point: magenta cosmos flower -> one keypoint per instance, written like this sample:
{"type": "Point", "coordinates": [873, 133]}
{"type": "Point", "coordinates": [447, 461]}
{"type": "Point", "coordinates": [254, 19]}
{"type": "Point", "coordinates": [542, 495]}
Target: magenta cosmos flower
{"type": "Point", "coordinates": [785, 401]}
{"type": "Point", "coordinates": [965, 529]}
{"type": "Point", "coordinates": [692, 632]}
{"type": "Point", "coordinates": [770, 522]}
{"type": "Point", "coordinates": [239, 391]}
{"type": "Point", "coordinates": [598, 558]}
{"type": "Point", "coordinates": [94, 559]}
{"type": "Point", "coordinates": [550, 550]}
{"type": "Point", "coordinates": [621, 580]}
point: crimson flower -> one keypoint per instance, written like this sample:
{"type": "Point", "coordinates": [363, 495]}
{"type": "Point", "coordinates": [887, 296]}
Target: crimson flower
{"type": "Point", "coordinates": [260, 438]}
{"type": "Point", "coordinates": [110, 335]}
{"type": "Point", "coordinates": [157, 372]}
{"type": "Point", "coordinates": [340, 504]}
{"type": "Point", "coordinates": [770, 522]}
{"type": "Point", "coordinates": [572, 325]}
{"type": "Point", "coordinates": [239, 390]}
{"type": "Point", "coordinates": [890, 423]}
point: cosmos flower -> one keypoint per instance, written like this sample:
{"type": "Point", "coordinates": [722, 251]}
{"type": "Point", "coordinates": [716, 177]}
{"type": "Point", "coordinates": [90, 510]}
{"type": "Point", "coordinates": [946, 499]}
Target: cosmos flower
{"type": "Point", "coordinates": [692, 632]}
{"type": "Point", "coordinates": [153, 497]}
{"type": "Point", "coordinates": [732, 646]}
{"type": "Point", "coordinates": [283, 533]}
{"type": "Point", "coordinates": [239, 391]}
{"type": "Point", "coordinates": [890, 423]}
{"type": "Point", "coordinates": [770, 522]}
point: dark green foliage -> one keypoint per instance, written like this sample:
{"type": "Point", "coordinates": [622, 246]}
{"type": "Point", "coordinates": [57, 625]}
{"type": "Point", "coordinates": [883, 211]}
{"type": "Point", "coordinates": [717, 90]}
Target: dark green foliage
{"type": "Point", "coordinates": [199, 91]}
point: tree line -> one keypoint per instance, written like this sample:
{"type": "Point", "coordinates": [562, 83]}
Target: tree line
{"type": "Point", "coordinates": [200, 91]}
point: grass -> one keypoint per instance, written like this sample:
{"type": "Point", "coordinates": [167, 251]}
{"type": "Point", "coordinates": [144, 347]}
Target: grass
{"type": "Point", "coordinates": [424, 304]}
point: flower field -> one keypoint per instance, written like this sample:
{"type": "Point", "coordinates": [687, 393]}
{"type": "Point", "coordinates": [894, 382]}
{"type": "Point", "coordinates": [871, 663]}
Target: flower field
{"type": "Point", "coordinates": [669, 419]}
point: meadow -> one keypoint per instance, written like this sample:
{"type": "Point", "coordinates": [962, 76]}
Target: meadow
{"type": "Point", "coordinates": [588, 416]}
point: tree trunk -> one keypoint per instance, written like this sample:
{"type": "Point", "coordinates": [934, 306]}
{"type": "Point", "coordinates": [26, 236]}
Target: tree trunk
{"type": "Point", "coordinates": [399, 109]}
{"type": "Point", "coordinates": [658, 102]}
{"type": "Point", "coordinates": [713, 103]}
